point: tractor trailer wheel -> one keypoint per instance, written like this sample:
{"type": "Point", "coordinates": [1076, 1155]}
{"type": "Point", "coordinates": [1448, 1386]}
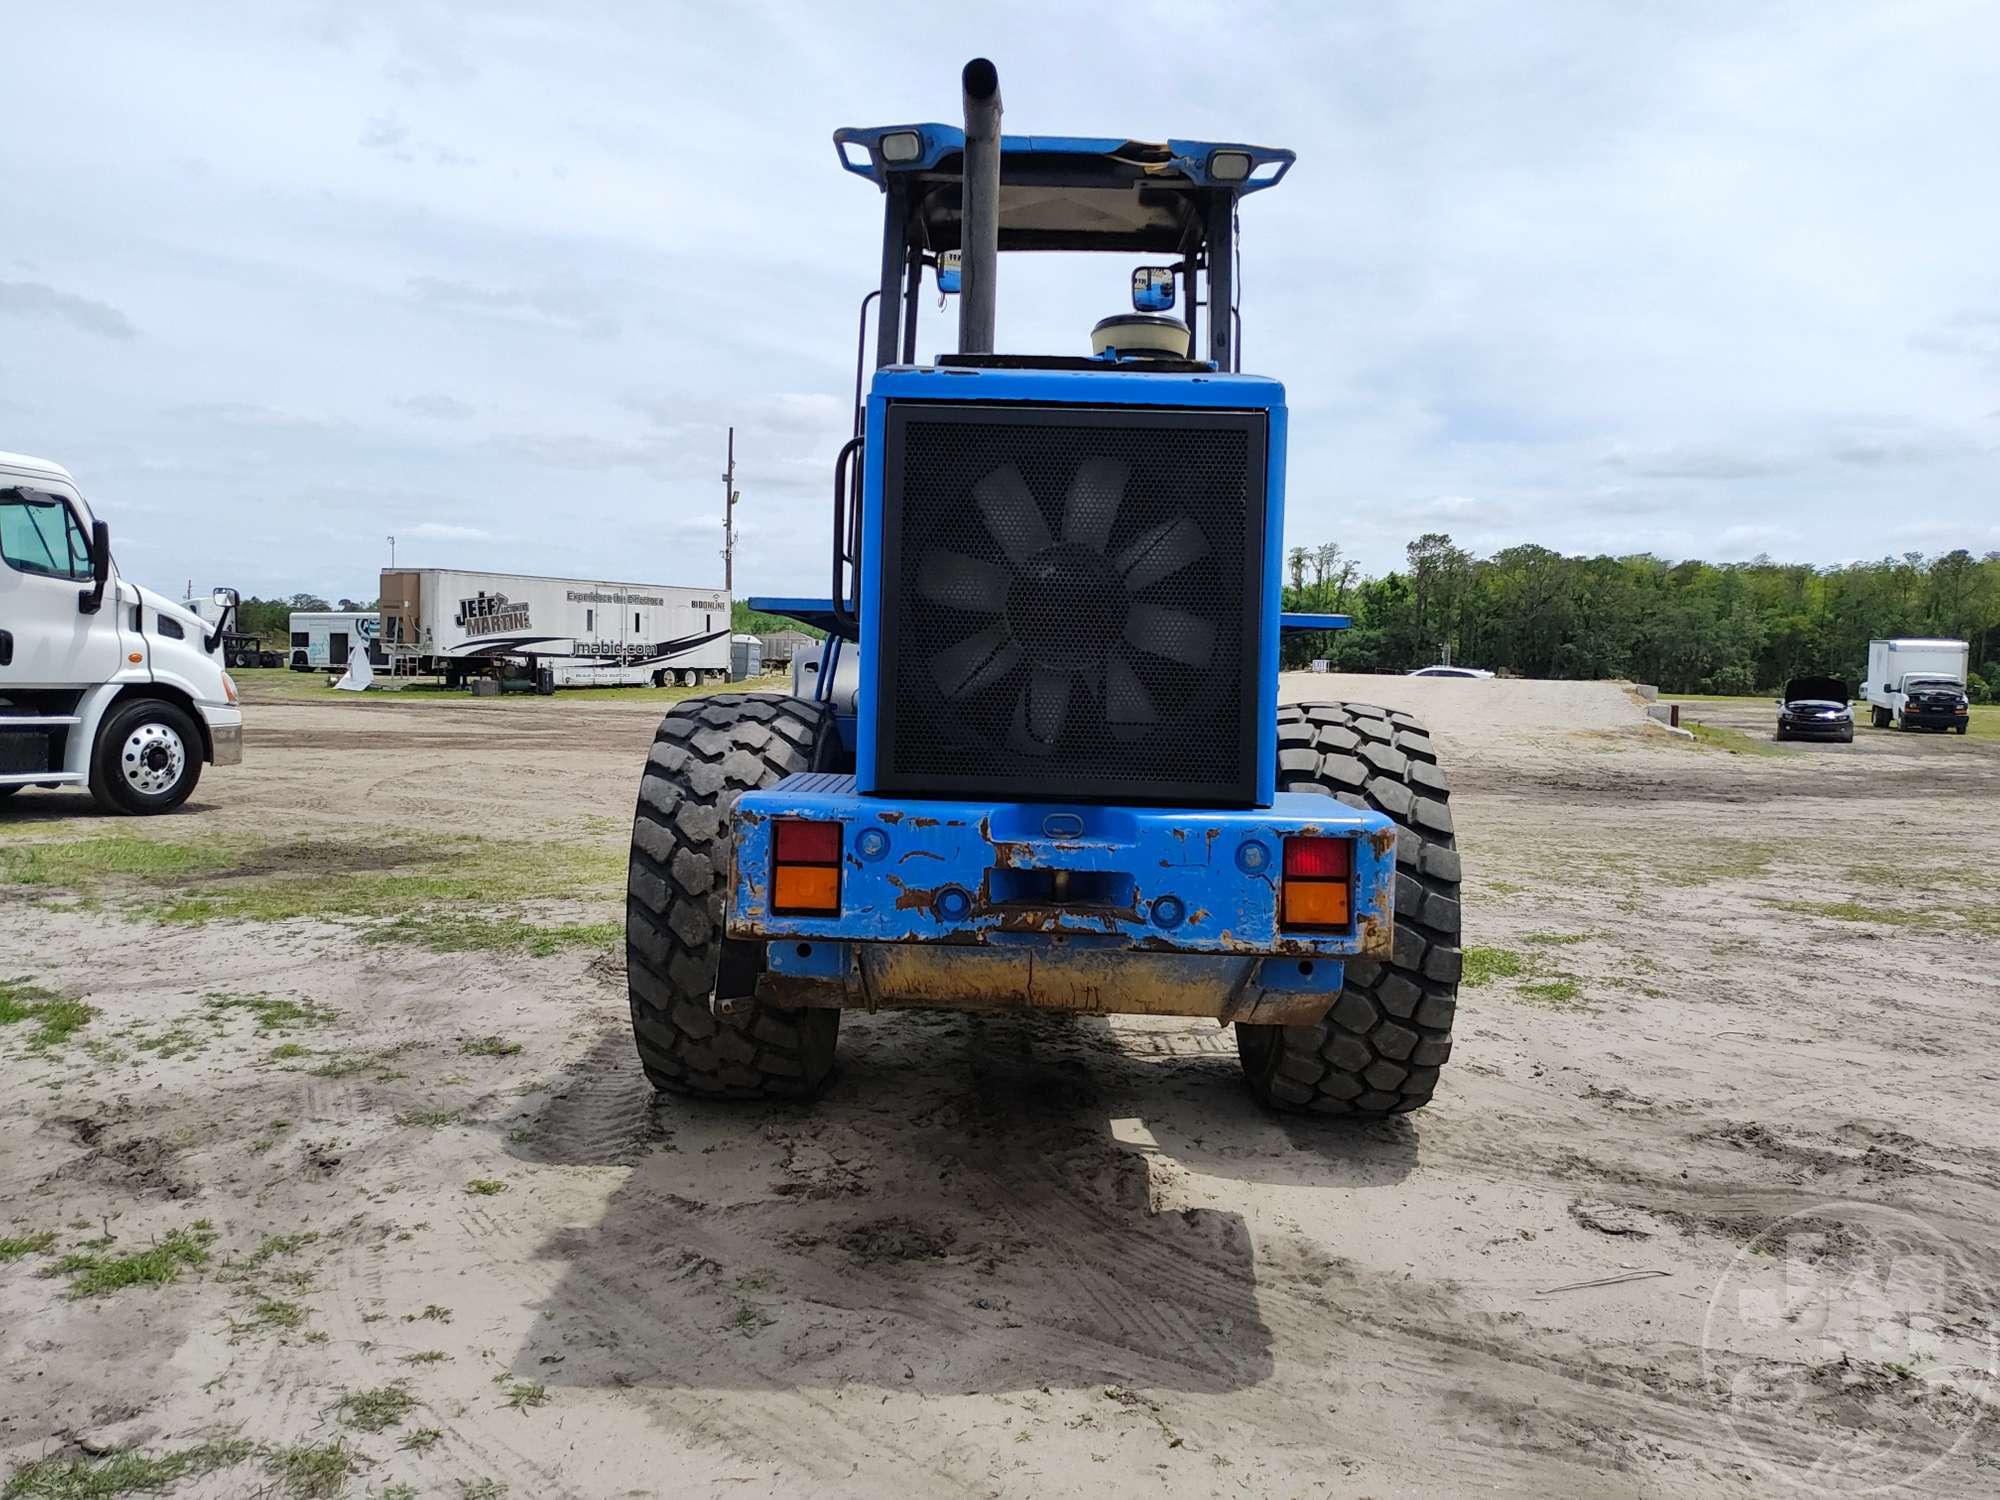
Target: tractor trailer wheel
{"type": "Point", "coordinates": [147, 758]}
{"type": "Point", "coordinates": [1379, 1048]}
{"type": "Point", "coordinates": [678, 965]}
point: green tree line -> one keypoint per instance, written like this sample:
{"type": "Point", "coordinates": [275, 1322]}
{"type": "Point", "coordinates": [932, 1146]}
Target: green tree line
{"type": "Point", "coordinates": [1690, 627]}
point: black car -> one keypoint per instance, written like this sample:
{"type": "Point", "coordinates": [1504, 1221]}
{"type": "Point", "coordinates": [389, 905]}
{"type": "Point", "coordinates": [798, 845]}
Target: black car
{"type": "Point", "coordinates": [1815, 708]}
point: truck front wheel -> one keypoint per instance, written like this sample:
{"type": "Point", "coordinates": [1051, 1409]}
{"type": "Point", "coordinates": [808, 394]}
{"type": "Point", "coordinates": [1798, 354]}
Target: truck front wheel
{"type": "Point", "coordinates": [1379, 1047]}
{"type": "Point", "coordinates": [678, 964]}
{"type": "Point", "coordinates": [147, 759]}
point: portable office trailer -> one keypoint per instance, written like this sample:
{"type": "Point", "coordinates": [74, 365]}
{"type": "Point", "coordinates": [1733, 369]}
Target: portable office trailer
{"type": "Point", "coordinates": [589, 632]}
{"type": "Point", "coordinates": [324, 638]}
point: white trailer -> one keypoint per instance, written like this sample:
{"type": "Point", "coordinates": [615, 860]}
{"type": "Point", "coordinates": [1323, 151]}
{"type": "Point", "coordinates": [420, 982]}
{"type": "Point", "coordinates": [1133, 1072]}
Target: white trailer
{"type": "Point", "coordinates": [588, 632]}
{"type": "Point", "coordinates": [324, 638]}
{"type": "Point", "coordinates": [1912, 683]}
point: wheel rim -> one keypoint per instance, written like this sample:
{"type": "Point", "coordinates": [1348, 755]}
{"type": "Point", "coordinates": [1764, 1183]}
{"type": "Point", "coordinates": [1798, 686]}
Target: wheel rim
{"type": "Point", "coordinates": [152, 759]}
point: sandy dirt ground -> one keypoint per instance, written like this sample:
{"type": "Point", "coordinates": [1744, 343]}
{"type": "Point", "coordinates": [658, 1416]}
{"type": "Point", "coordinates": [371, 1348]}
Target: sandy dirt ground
{"type": "Point", "coordinates": [1733, 1053]}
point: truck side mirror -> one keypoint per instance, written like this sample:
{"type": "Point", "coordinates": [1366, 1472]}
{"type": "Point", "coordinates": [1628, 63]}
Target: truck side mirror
{"type": "Point", "coordinates": [1888, 687]}
{"type": "Point", "coordinates": [225, 602]}
{"type": "Point", "coordinates": [950, 272]}
{"type": "Point", "coordinates": [91, 599]}
{"type": "Point", "coordinates": [1153, 289]}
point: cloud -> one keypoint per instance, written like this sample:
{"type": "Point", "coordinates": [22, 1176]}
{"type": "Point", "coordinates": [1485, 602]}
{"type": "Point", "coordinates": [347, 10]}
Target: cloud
{"type": "Point", "coordinates": [35, 299]}
{"type": "Point", "coordinates": [445, 531]}
{"type": "Point", "coordinates": [1702, 461]}
{"type": "Point", "coordinates": [248, 416]}
{"type": "Point", "coordinates": [551, 305]}
{"type": "Point", "coordinates": [437, 407]}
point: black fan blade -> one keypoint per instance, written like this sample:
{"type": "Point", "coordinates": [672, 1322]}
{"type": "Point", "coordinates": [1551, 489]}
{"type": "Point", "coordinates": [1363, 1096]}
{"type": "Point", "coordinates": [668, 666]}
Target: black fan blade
{"type": "Point", "coordinates": [960, 582]}
{"type": "Point", "coordinates": [1044, 707]}
{"type": "Point", "coordinates": [1172, 633]}
{"type": "Point", "coordinates": [975, 663]}
{"type": "Point", "coordinates": [1092, 503]}
{"type": "Point", "coordinates": [1012, 514]}
{"type": "Point", "coordinates": [1162, 552]}
{"type": "Point", "coordinates": [1127, 705]}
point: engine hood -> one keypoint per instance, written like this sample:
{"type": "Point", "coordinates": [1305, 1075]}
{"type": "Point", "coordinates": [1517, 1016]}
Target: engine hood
{"type": "Point", "coordinates": [1829, 690]}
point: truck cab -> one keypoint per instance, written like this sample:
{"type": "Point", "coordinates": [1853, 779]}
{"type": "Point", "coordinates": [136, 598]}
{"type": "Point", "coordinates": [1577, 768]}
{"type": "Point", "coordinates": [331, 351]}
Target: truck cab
{"type": "Point", "coordinates": [104, 685]}
{"type": "Point", "coordinates": [1918, 684]}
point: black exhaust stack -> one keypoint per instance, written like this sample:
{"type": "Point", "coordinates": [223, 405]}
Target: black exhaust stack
{"type": "Point", "coordinates": [979, 223]}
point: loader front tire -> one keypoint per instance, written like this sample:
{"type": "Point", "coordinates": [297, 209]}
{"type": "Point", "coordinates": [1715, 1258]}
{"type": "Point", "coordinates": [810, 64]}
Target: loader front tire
{"type": "Point", "coordinates": [1380, 1046]}
{"type": "Point", "coordinates": [707, 752]}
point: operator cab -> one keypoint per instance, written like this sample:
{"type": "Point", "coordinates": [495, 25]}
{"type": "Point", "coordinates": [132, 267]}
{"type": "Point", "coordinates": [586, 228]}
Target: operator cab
{"type": "Point", "coordinates": [1173, 202]}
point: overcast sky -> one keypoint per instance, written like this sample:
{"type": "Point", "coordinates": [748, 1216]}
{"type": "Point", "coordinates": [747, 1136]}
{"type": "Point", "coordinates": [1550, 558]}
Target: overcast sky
{"type": "Point", "coordinates": [1704, 280]}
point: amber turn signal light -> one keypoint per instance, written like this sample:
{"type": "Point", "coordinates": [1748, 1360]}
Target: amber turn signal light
{"type": "Point", "coordinates": [1315, 892]}
{"type": "Point", "coordinates": [805, 867]}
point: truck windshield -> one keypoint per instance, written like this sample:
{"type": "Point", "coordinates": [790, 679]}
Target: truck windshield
{"type": "Point", "coordinates": [1911, 684]}
{"type": "Point", "coordinates": [39, 534]}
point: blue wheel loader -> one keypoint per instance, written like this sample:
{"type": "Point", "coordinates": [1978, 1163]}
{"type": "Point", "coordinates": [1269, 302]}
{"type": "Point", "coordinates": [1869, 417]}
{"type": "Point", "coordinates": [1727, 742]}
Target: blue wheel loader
{"type": "Point", "coordinates": [1041, 761]}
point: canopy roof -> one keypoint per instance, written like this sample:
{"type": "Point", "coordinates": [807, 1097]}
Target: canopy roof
{"type": "Point", "coordinates": [1062, 192]}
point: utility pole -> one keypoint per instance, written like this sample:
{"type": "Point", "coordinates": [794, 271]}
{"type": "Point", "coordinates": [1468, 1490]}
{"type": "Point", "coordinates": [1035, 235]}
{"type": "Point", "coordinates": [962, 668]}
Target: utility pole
{"type": "Point", "coordinates": [392, 552]}
{"type": "Point", "coordinates": [729, 499]}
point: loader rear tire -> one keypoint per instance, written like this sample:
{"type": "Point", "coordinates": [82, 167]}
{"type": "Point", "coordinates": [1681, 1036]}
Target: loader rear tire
{"type": "Point", "coordinates": [1380, 1046]}
{"type": "Point", "coordinates": [707, 752]}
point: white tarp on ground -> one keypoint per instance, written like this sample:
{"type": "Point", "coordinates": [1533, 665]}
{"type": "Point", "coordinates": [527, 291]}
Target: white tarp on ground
{"type": "Point", "coordinates": [360, 676]}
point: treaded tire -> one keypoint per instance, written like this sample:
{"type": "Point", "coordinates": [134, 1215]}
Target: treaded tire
{"type": "Point", "coordinates": [707, 752]}
{"type": "Point", "coordinates": [113, 793]}
{"type": "Point", "coordinates": [1380, 1046]}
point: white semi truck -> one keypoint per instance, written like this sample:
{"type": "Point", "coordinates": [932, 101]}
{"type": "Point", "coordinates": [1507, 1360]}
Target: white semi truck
{"type": "Point", "coordinates": [586, 632]}
{"type": "Point", "coordinates": [104, 685]}
{"type": "Point", "coordinates": [1917, 684]}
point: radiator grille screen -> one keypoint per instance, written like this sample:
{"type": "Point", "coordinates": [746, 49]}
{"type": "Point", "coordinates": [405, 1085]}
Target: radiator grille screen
{"type": "Point", "coordinates": [1070, 603]}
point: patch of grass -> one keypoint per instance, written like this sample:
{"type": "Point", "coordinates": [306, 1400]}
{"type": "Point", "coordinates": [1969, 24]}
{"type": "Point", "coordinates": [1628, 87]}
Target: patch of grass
{"type": "Point", "coordinates": [55, 1019]}
{"type": "Point", "coordinates": [1855, 911]}
{"type": "Point", "coordinates": [373, 1410]}
{"type": "Point", "coordinates": [1713, 737]}
{"type": "Point", "coordinates": [286, 1051]}
{"type": "Point", "coordinates": [525, 1395]}
{"type": "Point", "coordinates": [313, 1471]}
{"type": "Point", "coordinates": [444, 932]}
{"type": "Point", "coordinates": [484, 1489]}
{"type": "Point", "coordinates": [127, 1472]}
{"type": "Point", "coordinates": [485, 1187]}
{"type": "Point", "coordinates": [272, 1246]}
{"type": "Point", "coordinates": [1555, 939]}
{"type": "Point", "coordinates": [1558, 994]}
{"type": "Point", "coordinates": [14, 1247]}
{"type": "Point", "coordinates": [95, 1273]}
{"type": "Point", "coordinates": [432, 1313]}
{"type": "Point", "coordinates": [1720, 859]}
{"type": "Point", "coordinates": [272, 1313]}
{"type": "Point", "coordinates": [70, 864]}
{"type": "Point", "coordinates": [341, 1065]}
{"type": "Point", "coordinates": [430, 1119]}
{"type": "Point", "coordinates": [424, 1357]}
{"type": "Point", "coordinates": [420, 1441]}
{"type": "Point", "coordinates": [1504, 888]}
{"type": "Point", "coordinates": [272, 1012]}
{"type": "Point", "coordinates": [489, 1046]}
{"type": "Point", "coordinates": [1484, 965]}
{"type": "Point", "coordinates": [350, 882]}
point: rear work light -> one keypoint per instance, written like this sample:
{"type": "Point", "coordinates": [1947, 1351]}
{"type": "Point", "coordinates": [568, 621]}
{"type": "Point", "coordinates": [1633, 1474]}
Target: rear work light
{"type": "Point", "coordinates": [1316, 882]}
{"type": "Point", "coordinates": [805, 866]}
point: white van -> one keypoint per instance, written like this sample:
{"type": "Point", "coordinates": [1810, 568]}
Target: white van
{"type": "Point", "coordinates": [103, 685]}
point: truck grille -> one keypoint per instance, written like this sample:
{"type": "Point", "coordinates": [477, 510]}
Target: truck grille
{"type": "Point", "coordinates": [1070, 603]}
